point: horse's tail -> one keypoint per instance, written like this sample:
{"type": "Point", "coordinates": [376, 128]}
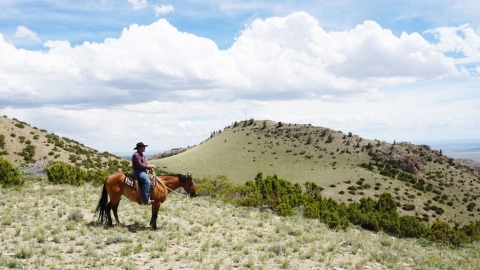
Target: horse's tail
{"type": "Point", "coordinates": [102, 204]}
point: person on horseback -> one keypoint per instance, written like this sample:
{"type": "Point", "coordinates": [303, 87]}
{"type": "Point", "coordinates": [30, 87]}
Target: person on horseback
{"type": "Point", "coordinates": [140, 167]}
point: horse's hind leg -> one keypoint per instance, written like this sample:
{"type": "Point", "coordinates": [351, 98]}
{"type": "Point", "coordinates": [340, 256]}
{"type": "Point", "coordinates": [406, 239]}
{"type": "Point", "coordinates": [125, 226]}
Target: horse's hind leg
{"type": "Point", "coordinates": [112, 205]}
{"type": "Point", "coordinates": [115, 208]}
{"type": "Point", "coordinates": [109, 217]}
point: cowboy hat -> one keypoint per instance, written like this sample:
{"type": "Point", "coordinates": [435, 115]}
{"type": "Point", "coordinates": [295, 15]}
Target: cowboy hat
{"type": "Point", "coordinates": [140, 144]}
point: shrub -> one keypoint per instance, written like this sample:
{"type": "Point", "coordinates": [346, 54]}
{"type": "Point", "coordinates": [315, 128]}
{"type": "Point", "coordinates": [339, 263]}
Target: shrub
{"type": "Point", "coordinates": [9, 175]}
{"type": "Point", "coordinates": [20, 125]}
{"type": "Point", "coordinates": [2, 141]}
{"type": "Point", "coordinates": [412, 227]}
{"type": "Point", "coordinates": [73, 158]}
{"type": "Point", "coordinates": [62, 173]}
{"type": "Point", "coordinates": [28, 153]}
{"type": "Point", "coordinates": [471, 206]}
{"type": "Point", "coordinates": [272, 192]}
{"type": "Point", "coordinates": [212, 186]}
{"type": "Point", "coordinates": [440, 231]}
{"type": "Point", "coordinates": [97, 177]}
{"type": "Point", "coordinates": [408, 207]}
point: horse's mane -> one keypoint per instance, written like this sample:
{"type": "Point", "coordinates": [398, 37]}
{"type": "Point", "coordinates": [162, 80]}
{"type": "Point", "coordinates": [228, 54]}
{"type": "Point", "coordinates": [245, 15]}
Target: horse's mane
{"type": "Point", "coordinates": [182, 177]}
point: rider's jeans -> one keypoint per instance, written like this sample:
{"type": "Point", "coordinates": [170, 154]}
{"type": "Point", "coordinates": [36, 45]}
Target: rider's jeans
{"type": "Point", "coordinates": [144, 183]}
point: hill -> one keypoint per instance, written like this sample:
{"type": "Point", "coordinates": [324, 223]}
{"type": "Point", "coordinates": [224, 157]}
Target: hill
{"type": "Point", "coordinates": [34, 148]}
{"type": "Point", "coordinates": [424, 182]}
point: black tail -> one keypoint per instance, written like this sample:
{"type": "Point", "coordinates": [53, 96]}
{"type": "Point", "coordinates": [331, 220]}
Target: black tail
{"type": "Point", "coordinates": [102, 204]}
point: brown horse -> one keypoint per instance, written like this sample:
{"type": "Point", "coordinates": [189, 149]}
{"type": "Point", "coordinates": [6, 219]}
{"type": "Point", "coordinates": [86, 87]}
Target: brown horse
{"type": "Point", "coordinates": [115, 187]}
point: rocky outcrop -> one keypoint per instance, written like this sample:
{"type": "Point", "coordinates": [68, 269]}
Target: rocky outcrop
{"type": "Point", "coordinates": [469, 162]}
{"type": "Point", "coordinates": [413, 158]}
{"type": "Point", "coordinates": [470, 166]}
{"type": "Point", "coordinates": [400, 158]}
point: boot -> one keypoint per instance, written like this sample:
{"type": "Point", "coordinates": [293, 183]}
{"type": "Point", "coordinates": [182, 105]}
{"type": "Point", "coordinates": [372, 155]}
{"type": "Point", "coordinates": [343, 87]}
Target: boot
{"type": "Point", "coordinates": [148, 202]}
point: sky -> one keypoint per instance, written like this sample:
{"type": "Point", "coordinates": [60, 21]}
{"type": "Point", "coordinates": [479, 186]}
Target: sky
{"type": "Point", "coordinates": [111, 73]}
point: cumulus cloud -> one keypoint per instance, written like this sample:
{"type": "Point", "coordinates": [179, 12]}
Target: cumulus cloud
{"type": "Point", "coordinates": [161, 10]}
{"type": "Point", "coordinates": [281, 58]}
{"type": "Point", "coordinates": [462, 39]}
{"type": "Point", "coordinates": [138, 4]}
{"type": "Point", "coordinates": [296, 53]}
{"type": "Point", "coordinates": [23, 32]}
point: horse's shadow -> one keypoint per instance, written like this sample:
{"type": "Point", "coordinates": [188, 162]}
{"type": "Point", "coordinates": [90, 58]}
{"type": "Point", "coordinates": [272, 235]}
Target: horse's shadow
{"type": "Point", "coordinates": [136, 227]}
{"type": "Point", "coordinates": [133, 228]}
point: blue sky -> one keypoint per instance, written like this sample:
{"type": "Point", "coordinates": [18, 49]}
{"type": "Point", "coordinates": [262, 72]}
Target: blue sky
{"type": "Point", "coordinates": [110, 73]}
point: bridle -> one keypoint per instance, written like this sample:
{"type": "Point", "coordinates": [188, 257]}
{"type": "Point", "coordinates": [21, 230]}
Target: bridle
{"type": "Point", "coordinates": [161, 183]}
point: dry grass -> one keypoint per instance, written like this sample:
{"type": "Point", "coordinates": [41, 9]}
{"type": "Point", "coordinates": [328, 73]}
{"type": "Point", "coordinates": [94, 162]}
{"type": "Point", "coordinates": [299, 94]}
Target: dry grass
{"type": "Point", "coordinates": [52, 227]}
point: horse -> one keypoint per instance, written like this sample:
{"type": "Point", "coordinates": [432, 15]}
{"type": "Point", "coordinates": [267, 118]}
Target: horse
{"type": "Point", "coordinates": [114, 187]}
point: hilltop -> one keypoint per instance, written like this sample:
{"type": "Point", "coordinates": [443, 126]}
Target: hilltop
{"type": "Point", "coordinates": [33, 148]}
{"type": "Point", "coordinates": [424, 182]}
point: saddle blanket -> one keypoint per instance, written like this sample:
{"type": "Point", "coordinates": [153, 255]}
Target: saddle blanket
{"type": "Point", "coordinates": [129, 182]}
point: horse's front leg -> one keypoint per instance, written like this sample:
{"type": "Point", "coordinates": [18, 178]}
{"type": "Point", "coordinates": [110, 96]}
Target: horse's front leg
{"type": "Point", "coordinates": [153, 220]}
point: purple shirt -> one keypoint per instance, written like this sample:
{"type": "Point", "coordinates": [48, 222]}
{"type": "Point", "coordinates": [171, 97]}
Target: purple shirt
{"type": "Point", "coordinates": [138, 161]}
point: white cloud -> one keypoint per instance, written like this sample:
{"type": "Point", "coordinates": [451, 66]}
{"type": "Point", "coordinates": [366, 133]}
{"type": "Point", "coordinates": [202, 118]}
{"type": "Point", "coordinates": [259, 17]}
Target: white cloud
{"type": "Point", "coordinates": [295, 53]}
{"type": "Point", "coordinates": [279, 58]}
{"type": "Point", "coordinates": [161, 10]}
{"type": "Point", "coordinates": [138, 4]}
{"type": "Point", "coordinates": [167, 64]}
{"type": "Point", "coordinates": [462, 39]}
{"type": "Point", "coordinates": [23, 32]}
{"type": "Point", "coordinates": [384, 56]}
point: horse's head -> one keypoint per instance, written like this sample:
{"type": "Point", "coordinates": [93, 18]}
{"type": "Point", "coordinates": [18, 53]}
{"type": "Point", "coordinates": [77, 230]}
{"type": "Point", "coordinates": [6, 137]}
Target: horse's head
{"type": "Point", "coordinates": [189, 186]}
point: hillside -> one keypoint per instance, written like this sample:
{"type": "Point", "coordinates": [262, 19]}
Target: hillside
{"type": "Point", "coordinates": [33, 148]}
{"type": "Point", "coordinates": [424, 182]}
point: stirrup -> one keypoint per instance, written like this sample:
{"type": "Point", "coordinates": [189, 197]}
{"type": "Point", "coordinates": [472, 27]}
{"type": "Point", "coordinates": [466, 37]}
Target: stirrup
{"type": "Point", "coordinates": [149, 202]}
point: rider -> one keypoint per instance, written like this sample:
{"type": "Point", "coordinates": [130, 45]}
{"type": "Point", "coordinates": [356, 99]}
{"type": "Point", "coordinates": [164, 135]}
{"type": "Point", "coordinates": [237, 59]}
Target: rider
{"type": "Point", "coordinates": [140, 168]}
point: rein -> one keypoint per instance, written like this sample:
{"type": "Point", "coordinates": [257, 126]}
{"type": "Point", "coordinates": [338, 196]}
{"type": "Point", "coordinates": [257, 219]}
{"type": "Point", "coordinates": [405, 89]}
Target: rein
{"type": "Point", "coordinates": [155, 175]}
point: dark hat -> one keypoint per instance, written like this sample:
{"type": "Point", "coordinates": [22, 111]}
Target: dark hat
{"type": "Point", "coordinates": [140, 144]}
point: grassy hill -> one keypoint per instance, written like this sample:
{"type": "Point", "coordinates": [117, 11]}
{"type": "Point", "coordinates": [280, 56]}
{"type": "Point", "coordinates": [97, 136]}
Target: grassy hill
{"type": "Point", "coordinates": [424, 182]}
{"type": "Point", "coordinates": [34, 148]}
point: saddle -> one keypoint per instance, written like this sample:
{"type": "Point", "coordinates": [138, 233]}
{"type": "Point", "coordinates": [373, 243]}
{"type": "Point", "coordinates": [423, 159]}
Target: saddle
{"type": "Point", "coordinates": [132, 181]}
